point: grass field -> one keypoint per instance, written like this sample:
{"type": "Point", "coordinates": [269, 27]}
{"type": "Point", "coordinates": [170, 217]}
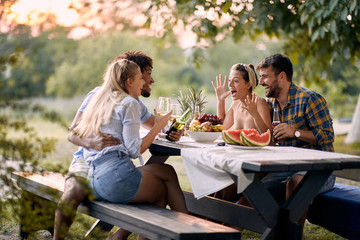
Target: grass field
{"type": "Point", "coordinates": [60, 160]}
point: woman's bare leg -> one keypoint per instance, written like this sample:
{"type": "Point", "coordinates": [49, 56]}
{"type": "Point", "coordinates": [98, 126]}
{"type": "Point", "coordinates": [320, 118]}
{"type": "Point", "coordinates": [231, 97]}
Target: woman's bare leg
{"type": "Point", "coordinates": [168, 176]}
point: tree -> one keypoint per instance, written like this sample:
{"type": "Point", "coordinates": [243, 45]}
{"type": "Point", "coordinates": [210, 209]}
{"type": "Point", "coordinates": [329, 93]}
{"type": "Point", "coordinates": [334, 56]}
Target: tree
{"type": "Point", "coordinates": [18, 141]}
{"type": "Point", "coordinates": [316, 33]}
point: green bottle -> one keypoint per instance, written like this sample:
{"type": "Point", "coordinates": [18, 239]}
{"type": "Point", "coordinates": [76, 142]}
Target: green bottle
{"type": "Point", "coordinates": [179, 123]}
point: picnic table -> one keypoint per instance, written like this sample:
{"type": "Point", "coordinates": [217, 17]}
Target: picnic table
{"type": "Point", "coordinates": [211, 168]}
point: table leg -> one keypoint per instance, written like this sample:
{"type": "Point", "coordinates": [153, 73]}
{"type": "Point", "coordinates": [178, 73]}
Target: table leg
{"type": "Point", "coordinates": [283, 222]}
{"type": "Point", "coordinates": [262, 201]}
{"type": "Point", "coordinates": [303, 195]}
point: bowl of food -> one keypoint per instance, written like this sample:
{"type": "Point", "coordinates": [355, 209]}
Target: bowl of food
{"type": "Point", "coordinates": [203, 136]}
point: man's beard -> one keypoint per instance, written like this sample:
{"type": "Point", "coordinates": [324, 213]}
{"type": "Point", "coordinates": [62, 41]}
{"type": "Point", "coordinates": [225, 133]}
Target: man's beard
{"type": "Point", "coordinates": [274, 90]}
{"type": "Point", "coordinates": [145, 94]}
{"type": "Point", "coordinates": [271, 93]}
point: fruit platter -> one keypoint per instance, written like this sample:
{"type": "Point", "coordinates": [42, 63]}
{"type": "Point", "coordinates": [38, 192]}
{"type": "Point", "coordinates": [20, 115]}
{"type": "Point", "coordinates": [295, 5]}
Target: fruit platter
{"type": "Point", "coordinates": [246, 138]}
{"type": "Point", "coordinates": [206, 123]}
{"type": "Point", "coordinates": [206, 128]}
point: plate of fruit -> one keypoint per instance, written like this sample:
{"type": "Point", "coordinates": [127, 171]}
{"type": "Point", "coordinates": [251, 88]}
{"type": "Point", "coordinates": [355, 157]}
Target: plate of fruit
{"type": "Point", "coordinates": [207, 128]}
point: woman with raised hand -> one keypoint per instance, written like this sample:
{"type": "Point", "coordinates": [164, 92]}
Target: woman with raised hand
{"type": "Point", "coordinates": [247, 110]}
{"type": "Point", "coordinates": [114, 110]}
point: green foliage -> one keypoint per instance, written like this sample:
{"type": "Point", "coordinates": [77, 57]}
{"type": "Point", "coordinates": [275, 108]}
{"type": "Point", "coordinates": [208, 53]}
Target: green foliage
{"type": "Point", "coordinates": [28, 62]}
{"type": "Point", "coordinates": [20, 145]}
{"type": "Point", "coordinates": [316, 33]}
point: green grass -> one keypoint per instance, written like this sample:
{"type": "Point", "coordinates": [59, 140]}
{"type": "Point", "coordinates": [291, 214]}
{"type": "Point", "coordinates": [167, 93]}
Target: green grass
{"type": "Point", "coordinates": [61, 158]}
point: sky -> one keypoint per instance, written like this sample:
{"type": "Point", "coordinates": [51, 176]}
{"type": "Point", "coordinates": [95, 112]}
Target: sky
{"type": "Point", "coordinates": [27, 11]}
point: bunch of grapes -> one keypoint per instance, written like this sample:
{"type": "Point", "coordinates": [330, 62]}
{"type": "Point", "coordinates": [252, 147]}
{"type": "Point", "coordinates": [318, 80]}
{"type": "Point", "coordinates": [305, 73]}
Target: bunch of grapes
{"type": "Point", "coordinates": [213, 118]}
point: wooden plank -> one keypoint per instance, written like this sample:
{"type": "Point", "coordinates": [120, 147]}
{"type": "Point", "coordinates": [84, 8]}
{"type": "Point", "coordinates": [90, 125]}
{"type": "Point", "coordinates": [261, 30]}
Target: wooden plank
{"type": "Point", "coordinates": [265, 166]}
{"type": "Point", "coordinates": [150, 220]}
{"type": "Point", "coordinates": [325, 164]}
{"type": "Point", "coordinates": [225, 212]}
{"type": "Point", "coordinates": [146, 220]}
{"type": "Point", "coordinates": [46, 185]}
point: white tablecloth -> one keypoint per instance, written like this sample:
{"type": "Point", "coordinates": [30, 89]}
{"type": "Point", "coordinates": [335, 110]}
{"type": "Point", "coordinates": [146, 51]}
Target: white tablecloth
{"type": "Point", "coordinates": [208, 168]}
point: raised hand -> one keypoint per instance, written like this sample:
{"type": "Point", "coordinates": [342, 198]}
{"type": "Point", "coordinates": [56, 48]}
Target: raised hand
{"type": "Point", "coordinates": [220, 88]}
{"type": "Point", "coordinates": [249, 104]}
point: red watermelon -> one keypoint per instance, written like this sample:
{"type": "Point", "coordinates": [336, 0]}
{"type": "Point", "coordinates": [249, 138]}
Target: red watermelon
{"type": "Point", "coordinates": [233, 136]}
{"type": "Point", "coordinates": [255, 139]}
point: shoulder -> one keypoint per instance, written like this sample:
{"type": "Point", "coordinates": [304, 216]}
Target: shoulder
{"type": "Point", "coordinates": [260, 100]}
{"type": "Point", "coordinates": [262, 103]}
{"type": "Point", "coordinates": [142, 105]}
{"type": "Point", "coordinates": [130, 101]}
{"type": "Point", "coordinates": [308, 94]}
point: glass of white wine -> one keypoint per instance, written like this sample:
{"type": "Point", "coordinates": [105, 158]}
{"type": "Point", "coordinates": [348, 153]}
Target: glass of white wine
{"type": "Point", "coordinates": [176, 111]}
{"type": "Point", "coordinates": [163, 106]}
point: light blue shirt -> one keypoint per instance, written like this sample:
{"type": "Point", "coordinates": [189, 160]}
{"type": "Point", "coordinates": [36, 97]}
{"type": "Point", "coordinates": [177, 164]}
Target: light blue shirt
{"type": "Point", "coordinates": [124, 125]}
{"type": "Point", "coordinates": [144, 116]}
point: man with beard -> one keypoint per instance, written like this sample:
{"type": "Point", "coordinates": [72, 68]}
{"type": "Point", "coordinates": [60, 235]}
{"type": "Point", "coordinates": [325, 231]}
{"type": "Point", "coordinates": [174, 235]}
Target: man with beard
{"type": "Point", "coordinates": [304, 115]}
{"type": "Point", "coordinates": [76, 185]}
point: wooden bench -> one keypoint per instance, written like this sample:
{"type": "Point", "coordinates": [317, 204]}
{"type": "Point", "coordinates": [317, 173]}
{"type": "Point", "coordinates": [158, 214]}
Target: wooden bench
{"type": "Point", "coordinates": [41, 192]}
{"type": "Point", "coordinates": [338, 210]}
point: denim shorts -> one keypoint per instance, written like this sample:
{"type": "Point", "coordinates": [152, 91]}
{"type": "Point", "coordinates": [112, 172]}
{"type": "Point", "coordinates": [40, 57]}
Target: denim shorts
{"type": "Point", "coordinates": [276, 178]}
{"type": "Point", "coordinates": [114, 178]}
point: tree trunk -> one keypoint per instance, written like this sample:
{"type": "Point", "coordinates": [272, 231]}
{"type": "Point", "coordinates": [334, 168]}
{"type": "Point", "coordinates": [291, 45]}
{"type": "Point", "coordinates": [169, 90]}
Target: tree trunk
{"type": "Point", "coordinates": [354, 133]}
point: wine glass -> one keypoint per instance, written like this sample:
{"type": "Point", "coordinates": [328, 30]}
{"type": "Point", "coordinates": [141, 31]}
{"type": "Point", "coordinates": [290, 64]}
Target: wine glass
{"type": "Point", "coordinates": [163, 106]}
{"type": "Point", "coordinates": [176, 112]}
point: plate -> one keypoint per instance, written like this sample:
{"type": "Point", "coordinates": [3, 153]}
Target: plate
{"type": "Point", "coordinates": [204, 136]}
{"type": "Point", "coordinates": [244, 147]}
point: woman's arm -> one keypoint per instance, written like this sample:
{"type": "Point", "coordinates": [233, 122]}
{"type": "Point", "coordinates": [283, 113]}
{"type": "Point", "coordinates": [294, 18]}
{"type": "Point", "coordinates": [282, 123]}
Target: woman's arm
{"type": "Point", "coordinates": [159, 123]}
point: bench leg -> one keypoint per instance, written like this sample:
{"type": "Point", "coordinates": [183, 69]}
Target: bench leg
{"type": "Point", "coordinates": [103, 226]}
{"type": "Point", "coordinates": [36, 214]}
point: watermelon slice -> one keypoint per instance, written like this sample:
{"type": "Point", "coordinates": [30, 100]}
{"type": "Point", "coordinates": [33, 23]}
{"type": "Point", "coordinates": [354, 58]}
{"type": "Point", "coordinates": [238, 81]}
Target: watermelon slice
{"type": "Point", "coordinates": [233, 136]}
{"type": "Point", "coordinates": [255, 139]}
{"type": "Point", "coordinates": [227, 138]}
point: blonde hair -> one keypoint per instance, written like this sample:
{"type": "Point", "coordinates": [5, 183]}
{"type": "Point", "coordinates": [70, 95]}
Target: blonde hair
{"type": "Point", "coordinates": [112, 92]}
{"type": "Point", "coordinates": [248, 73]}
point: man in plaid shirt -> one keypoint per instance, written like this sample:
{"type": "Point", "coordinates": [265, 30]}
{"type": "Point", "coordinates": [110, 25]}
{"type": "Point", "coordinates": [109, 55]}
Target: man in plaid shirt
{"type": "Point", "coordinates": [305, 118]}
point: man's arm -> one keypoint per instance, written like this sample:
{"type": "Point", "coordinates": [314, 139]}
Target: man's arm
{"type": "Point", "coordinates": [98, 142]}
{"type": "Point", "coordinates": [284, 130]}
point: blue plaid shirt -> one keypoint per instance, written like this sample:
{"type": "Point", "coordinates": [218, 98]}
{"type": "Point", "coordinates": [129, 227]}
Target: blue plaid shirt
{"type": "Point", "coordinates": [306, 110]}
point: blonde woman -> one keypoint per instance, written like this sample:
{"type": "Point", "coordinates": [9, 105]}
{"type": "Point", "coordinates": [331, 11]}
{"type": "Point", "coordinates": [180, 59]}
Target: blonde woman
{"type": "Point", "coordinates": [115, 110]}
{"type": "Point", "coordinates": [247, 110]}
